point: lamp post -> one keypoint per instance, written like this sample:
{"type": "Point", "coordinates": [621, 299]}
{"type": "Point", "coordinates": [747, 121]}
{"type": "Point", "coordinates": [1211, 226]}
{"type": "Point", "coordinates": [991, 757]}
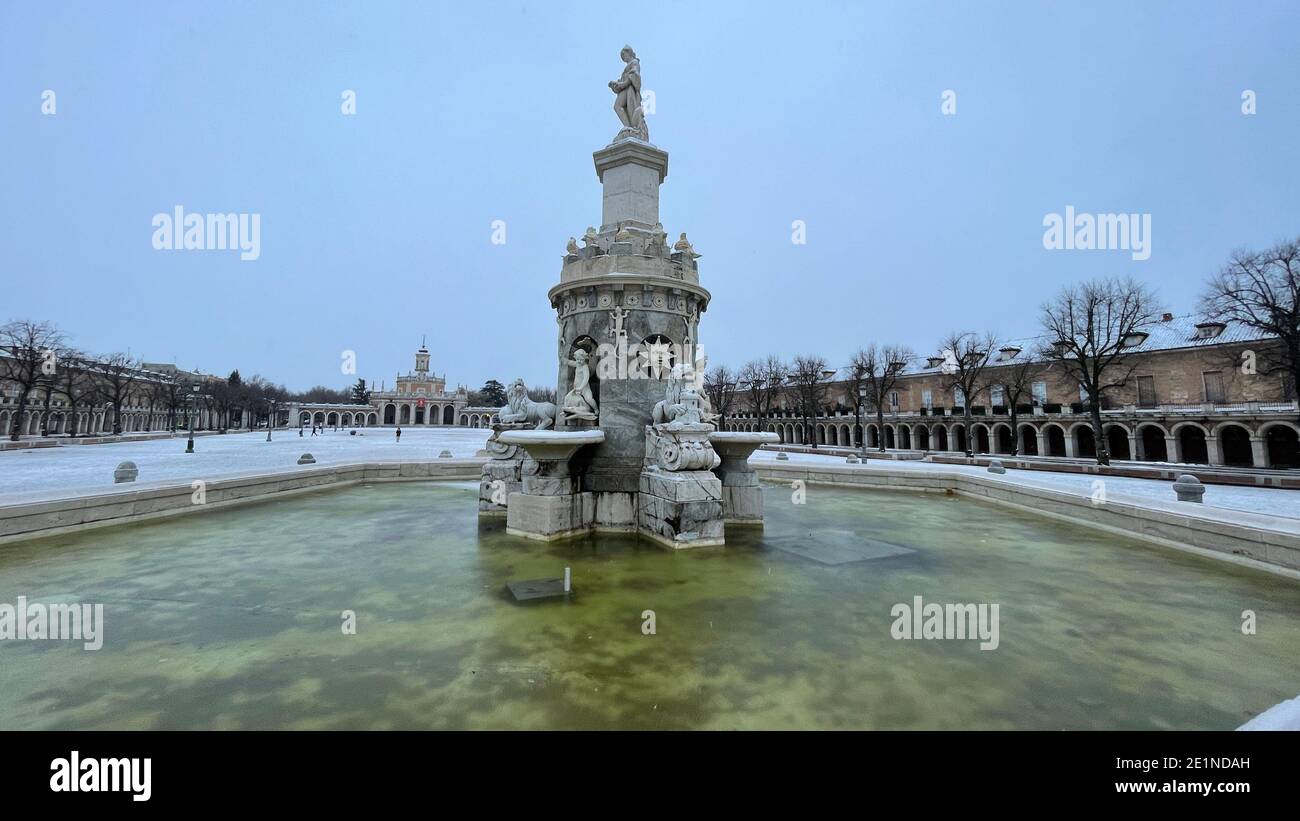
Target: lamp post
{"type": "Point", "coordinates": [270, 418]}
{"type": "Point", "coordinates": [194, 403]}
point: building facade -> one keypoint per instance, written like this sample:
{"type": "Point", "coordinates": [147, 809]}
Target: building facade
{"type": "Point", "coordinates": [419, 398]}
{"type": "Point", "coordinates": [1193, 397]}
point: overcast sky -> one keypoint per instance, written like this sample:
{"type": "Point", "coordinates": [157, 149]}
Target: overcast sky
{"type": "Point", "coordinates": [376, 228]}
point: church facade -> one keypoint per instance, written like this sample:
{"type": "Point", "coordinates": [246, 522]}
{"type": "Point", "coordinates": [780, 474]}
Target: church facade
{"type": "Point", "coordinates": [419, 398]}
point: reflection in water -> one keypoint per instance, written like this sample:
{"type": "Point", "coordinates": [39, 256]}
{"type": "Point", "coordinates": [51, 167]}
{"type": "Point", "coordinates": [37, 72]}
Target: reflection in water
{"type": "Point", "coordinates": [231, 619]}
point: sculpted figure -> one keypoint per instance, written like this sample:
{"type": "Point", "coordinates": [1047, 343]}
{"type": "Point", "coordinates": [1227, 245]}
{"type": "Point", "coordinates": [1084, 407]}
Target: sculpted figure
{"type": "Point", "coordinates": [572, 247]}
{"type": "Point", "coordinates": [579, 402]}
{"type": "Point", "coordinates": [519, 408]}
{"type": "Point", "coordinates": [667, 409]}
{"type": "Point", "coordinates": [627, 102]}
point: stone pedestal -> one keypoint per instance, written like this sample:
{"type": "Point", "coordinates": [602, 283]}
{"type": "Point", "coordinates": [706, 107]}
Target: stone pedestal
{"type": "Point", "coordinates": [630, 173]}
{"type": "Point", "coordinates": [549, 504]}
{"type": "Point", "coordinates": [550, 517]}
{"type": "Point", "coordinates": [680, 500]}
{"type": "Point", "coordinates": [680, 509]}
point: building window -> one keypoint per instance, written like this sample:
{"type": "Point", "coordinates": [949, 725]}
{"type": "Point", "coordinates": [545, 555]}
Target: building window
{"type": "Point", "coordinates": [958, 397]}
{"type": "Point", "coordinates": [1214, 390]}
{"type": "Point", "coordinates": [997, 396]}
{"type": "Point", "coordinates": [927, 398]}
{"type": "Point", "coordinates": [1146, 391]}
{"type": "Point", "coordinates": [893, 400]}
{"type": "Point", "coordinates": [1040, 393]}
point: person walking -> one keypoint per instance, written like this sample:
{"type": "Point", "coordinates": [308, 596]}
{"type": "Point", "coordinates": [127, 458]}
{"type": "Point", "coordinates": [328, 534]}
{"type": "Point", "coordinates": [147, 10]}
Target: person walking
{"type": "Point", "coordinates": [399, 433]}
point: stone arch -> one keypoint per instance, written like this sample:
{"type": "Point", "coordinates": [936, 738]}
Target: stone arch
{"type": "Point", "coordinates": [1152, 438]}
{"type": "Point", "coordinates": [1281, 444]}
{"type": "Point", "coordinates": [905, 437]}
{"type": "Point", "coordinates": [405, 415]}
{"type": "Point", "coordinates": [1004, 440]}
{"type": "Point", "coordinates": [319, 418]}
{"type": "Point", "coordinates": [332, 419]}
{"type": "Point", "coordinates": [922, 437]}
{"type": "Point", "coordinates": [1234, 445]}
{"type": "Point", "coordinates": [1085, 442]}
{"type": "Point", "coordinates": [449, 415]}
{"type": "Point", "coordinates": [390, 414]}
{"type": "Point", "coordinates": [941, 437]}
{"type": "Point", "coordinates": [1054, 435]}
{"type": "Point", "coordinates": [1192, 445]}
{"type": "Point", "coordinates": [981, 438]}
{"type": "Point", "coordinates": [1028, 439]}
{"type": "Point", "coordinates": [1117, 441]}
{"type": "Point", "coordinates": [464, 420]}
{"type": "Point", "coordinates": [891, 438]}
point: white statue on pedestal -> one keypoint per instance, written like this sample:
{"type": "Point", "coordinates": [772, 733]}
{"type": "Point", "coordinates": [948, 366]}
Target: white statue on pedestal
{"type": "Point", "coordinates": [579, 402]}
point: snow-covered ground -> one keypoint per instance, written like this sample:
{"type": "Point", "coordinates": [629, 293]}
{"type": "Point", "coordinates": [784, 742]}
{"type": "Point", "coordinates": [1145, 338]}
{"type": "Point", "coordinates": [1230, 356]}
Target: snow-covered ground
{"type": "Point", "coordinates": [1270, 501]}
{"type": "Point", "coordinates": [81, 467]}
{"type": "Point", "coordinates": [90, 467]}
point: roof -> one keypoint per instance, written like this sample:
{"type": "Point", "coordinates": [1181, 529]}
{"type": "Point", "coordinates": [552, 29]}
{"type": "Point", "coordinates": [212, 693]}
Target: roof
{"type": "Point", "coordinates": [1163, 335]}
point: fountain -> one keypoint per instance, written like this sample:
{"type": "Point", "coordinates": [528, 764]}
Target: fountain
{"type": "Point", "coordinates": [632, 444]}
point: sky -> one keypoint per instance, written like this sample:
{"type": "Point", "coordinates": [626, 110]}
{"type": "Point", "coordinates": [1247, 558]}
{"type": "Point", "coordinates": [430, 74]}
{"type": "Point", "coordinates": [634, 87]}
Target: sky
{"type": "Point", "coordinates": [376, 228]}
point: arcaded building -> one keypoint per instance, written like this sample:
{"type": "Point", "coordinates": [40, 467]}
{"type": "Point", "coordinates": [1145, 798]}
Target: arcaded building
{"type": "Point", "coordinates": [1195, 396]}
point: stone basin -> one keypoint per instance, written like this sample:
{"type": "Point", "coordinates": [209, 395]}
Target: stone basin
{"type": "Point", "coordinates": [551, 445]}
{"type": "Point", "coordinates": [736, 445]}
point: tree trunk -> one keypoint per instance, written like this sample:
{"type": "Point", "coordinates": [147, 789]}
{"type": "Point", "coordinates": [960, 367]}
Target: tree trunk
{"type": "Point", "coordinates": [1015, 433]}
{"type": "Point", "coordinates": [17, 426]}
{"type": "Point", "coordinates": [970, 434]}
{"type": "Point", "coordinates": [1098, 436]}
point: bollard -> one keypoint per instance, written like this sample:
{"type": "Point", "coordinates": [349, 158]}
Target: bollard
{"type": "Point", "coordinates": [1189, 489]}
{"type": "Point", "coordinates": [306, 459]}
{"type": "Point", "coordinates": [126, 472]}
{"type": "Point", "coordinates": [995, 466]}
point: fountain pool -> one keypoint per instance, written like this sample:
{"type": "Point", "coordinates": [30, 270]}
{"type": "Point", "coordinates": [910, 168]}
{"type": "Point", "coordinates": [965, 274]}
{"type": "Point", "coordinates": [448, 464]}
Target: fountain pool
{"type": "Point", "coordinates": [232, 619]}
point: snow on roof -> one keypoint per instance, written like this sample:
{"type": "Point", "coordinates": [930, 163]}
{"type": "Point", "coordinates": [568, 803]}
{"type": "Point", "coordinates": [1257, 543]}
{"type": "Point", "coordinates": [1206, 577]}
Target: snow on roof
{"type": "Point", "coordinates": [1162, 335]}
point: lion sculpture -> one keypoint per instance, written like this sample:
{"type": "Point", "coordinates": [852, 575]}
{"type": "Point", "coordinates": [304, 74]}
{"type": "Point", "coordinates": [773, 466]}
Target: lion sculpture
{"type": "Point", "coordinates": [519, 408]}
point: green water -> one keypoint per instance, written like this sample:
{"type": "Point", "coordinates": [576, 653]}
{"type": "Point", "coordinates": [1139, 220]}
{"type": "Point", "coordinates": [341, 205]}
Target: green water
{"type": "Point", "coordinates": [231, 619]}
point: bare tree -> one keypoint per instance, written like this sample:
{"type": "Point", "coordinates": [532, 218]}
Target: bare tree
{"type": "Point", "coordinates": [966, 357]}
{"type": "Point", "coordinates": [1088, 327]}
{"type": "Point", "coordinates": [720, 388]}
{"type": "Point", "coordinates": [764, 379]}
{"type": "Point", "coordinates": [1261, 290]}
{"type": "Point", "coordinates": [75, 382]}
{"type": "Point", "coordinates": [165, 390]}
{"type": "Point", "coordinates": [879, 367]}
{"type": "Point", "coordinates": [1017, 382]}
{"type": "Point", "coordinates": [29, 359]}
{"type": "Point", "coordinates": [116, 376]}
{"type": "Point", "coordinates": [808, 376]}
